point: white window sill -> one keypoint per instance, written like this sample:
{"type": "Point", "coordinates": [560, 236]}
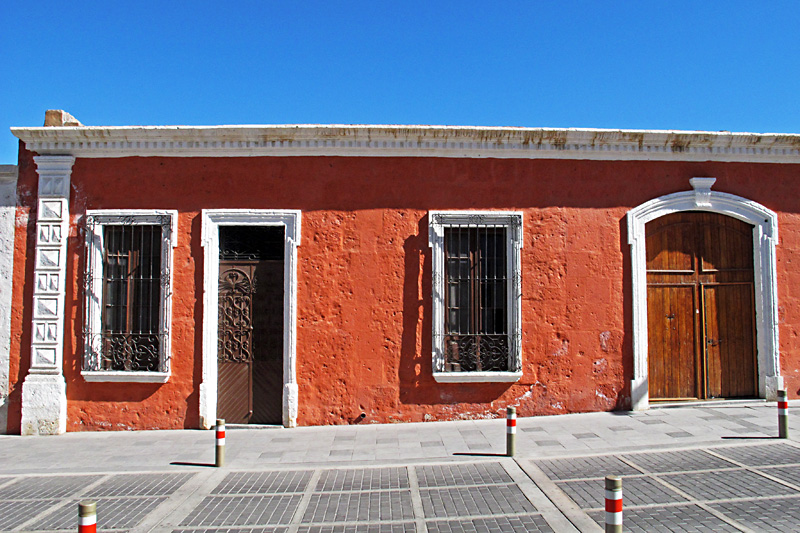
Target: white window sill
{"type": "Point", "coordinates": [477, 377]}
{"type": "Point", "coordinates": [125, 377]}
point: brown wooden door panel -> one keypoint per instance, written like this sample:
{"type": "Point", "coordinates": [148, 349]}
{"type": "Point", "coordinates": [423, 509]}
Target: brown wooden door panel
{"type": "Point", "coordinates": [268, 343]}
{"type": "Point", "coordinates": [729, 341]}
{"type": "Point", "coordinates": [671, 342]}
{"type": "Point", "coordinates": [700, 273]}
{"type": "Point", "coordinates": [233, 392]}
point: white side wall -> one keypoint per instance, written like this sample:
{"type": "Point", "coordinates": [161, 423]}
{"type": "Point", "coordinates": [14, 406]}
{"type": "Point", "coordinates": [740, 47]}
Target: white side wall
{"type": "Point", "coordinates": [8, 204]}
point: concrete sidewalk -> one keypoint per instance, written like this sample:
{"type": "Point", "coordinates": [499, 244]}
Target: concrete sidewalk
{"type": "Point", "coordinates": [691, 468]}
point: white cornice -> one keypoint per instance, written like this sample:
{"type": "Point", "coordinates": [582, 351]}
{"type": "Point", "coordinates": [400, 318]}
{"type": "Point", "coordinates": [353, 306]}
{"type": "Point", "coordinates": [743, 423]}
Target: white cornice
{"type": "Point", "coordinates": [410, 141]}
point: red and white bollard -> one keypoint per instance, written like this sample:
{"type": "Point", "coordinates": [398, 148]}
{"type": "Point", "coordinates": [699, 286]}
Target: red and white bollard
{"type": "Point", "coordinates": [783, 414]}
{"type": "Point", "coordinates": [511, 431]}
{"type": "Point", "coordinates": [87, 517]}
{"type": "Point", "coordinates": [613, 504]}
{"type": "Point", "coordinates": [219, 459]}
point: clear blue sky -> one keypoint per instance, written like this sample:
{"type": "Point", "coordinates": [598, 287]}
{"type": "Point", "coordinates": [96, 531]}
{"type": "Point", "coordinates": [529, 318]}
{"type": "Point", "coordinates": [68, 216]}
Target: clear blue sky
{"type": "Point", "coordinates": [704, 65]}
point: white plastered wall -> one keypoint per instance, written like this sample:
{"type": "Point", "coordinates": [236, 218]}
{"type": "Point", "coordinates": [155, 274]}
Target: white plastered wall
{"type": "Point", "coordinates": [8, 205]}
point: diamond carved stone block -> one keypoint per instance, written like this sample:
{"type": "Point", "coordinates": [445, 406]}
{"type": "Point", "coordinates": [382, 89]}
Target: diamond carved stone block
{"type": "Point", "coordinates": [48, 258]}
{"type": "Point", "coordinates": [47, 282]}
{"type": "Point", "coordinates": [46, 307]}
{"type": "Point", "coordinates": [50, 234]}
{"type": "Point", "coordinates": [45, 331]}
{"type": "Point", "coordinates": [45, 356]}
{"type": "Point", "coordinates": [51, 209]}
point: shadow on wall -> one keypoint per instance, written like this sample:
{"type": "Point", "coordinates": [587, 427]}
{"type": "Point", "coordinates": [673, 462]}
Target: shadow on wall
{"type": "Point", "coordinates": [417, 386]}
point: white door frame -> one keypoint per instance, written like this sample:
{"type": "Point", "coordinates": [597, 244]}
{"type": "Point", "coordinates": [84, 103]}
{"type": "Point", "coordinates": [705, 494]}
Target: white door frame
{"type": "Point", "coordinates": [212, 219]}
{"type": "Point", "coordinates": [765, 238]}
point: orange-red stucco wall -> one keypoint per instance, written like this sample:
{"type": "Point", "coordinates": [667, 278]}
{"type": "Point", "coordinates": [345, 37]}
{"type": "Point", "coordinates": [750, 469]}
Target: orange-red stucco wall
{"type": "Point", "coordinates": [364, 304]}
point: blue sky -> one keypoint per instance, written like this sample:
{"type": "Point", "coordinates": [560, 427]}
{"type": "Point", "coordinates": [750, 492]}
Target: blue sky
{"type": "Point", "coordinates": [702, 65]}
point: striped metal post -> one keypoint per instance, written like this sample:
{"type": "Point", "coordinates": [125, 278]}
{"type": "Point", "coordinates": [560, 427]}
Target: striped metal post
{"type": "Point", "coordinates": [783, 414]}
{"type": "Point", "coordinates": [613, 504]}
{"type": "Point", "coordinates": [511, 431]}
{"type": "Point", "coordinates": [87, 517]}
{"type": "Point", "coordinates": [219, 459]}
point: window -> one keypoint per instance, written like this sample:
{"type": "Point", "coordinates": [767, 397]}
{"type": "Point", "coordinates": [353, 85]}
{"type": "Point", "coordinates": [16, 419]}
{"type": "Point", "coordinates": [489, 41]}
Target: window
{"type": "Point", "coordinates": [476, 295]}
{"type": "Point", "coordinates": [128, 282]}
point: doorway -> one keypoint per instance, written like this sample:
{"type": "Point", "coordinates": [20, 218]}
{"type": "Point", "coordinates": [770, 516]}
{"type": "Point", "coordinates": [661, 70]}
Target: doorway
{"type": "Point", "coordinates": [700, 307]}
{"type": "Point", "coordinates": [250, 324]}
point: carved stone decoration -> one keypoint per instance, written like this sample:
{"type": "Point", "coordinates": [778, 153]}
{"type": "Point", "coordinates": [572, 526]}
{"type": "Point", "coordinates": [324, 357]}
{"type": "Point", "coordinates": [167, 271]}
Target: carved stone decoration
{"type": "Point", "coordinates": [44, 399]}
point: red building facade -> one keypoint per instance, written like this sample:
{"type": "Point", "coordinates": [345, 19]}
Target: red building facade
{"type": "Point", "coordinates": [304, 275]}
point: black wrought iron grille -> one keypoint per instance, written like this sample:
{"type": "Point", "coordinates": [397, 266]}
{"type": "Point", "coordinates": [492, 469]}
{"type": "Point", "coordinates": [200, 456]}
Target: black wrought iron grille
{"type": "Point", "coordinates": [476, 301]}
{"type": "Point", "coordinates": [130, 337]}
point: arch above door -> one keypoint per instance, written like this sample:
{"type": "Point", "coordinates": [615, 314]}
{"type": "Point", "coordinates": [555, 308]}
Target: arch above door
{"type": "Point", "coordinates": [765, 237]}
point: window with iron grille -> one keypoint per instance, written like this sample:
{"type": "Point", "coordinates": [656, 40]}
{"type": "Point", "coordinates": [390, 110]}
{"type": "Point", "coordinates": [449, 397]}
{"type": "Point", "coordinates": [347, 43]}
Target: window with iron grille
{"type": "Point", "coordinates": [128, 282]}
{"type": "Point", "coordinates": [476, 295]}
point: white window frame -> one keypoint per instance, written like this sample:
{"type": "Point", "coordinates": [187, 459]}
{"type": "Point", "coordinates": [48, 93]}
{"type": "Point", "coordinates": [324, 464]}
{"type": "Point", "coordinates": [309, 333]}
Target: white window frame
{"type": "Point", "coordinates": [512, 221]}
{"type": "Point", "coordinates": [95, 221]}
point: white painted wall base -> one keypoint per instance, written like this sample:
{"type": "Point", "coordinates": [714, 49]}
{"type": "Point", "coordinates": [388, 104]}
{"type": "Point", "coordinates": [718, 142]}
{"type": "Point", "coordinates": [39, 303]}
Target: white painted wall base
{"type": "Point", "coordinates": [44, 405]}
{"type": "Point", "coordinates": [640, 400]}
{"type": "Point", "coordinates": [290, 392]}
{"type": "Point", "coordinates": [772, 384]}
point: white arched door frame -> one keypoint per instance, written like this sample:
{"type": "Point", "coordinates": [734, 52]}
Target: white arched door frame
{"type": "Point", "coordinates": [765, 238]}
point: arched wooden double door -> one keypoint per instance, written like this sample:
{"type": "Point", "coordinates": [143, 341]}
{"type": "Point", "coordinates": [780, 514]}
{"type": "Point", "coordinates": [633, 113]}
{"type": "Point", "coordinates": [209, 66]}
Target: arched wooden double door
{"type": "Point", "coordinates": [700, 307]}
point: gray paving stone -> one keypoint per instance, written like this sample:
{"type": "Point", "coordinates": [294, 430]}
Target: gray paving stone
{"type": "Point", "coordinates": [235, 530]}
{"type": "Point", "coordinates": [243, 511]}
{"type": "Point", "coordinates": [682, 519]}
{"type": "Point", "coordinates": [472, 501]}
{"type": "Point", "coordinates": [678, 461]}
{"type": "Point", "coordinates": [765, 455]}
{"type": "Point", "coordinates": [680, 434]}
{"type": "Point", "coordinates": [585, 436]}
{"type": "Point", "coordinates": [461, 475]}
{"type": "Point", "coordinates": [789, 474]}
{"type": "Point", "coordinates": [358, 479]}
{"type": "Point", "coordinates": [780, 514]}
{"type": "Point", "coordinates": [590, 494]}
{"type": "Point", "coordinates": [139, 485]}
{"type": "Point", "coordinates": [548, 443]}
{"type": "Point", "coordinates": [112, 513]}
{"type": "Point", "coordinates": [726, 484]}
{"type": "Point", "coordinates": [359, 506]}
{"type": "Point", "coordinates": [405, 527]}
{"type": "Point", "coordinates": [14, 513]}
{"type": "Point", "coordinates": [30, 488]}
{"type": "Point", "coordinates": [279, 482]}
{"type": "Point", "coordinates": [500, 524]}
{"type": "Point", "coordinates": [585, 467]}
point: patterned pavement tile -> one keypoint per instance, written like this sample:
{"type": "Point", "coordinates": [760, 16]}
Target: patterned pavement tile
{"type": "Point", "coordinates": [590, 494]}
{"type": "Point", "coordinates": [790, 474]}
{"type": "Point", "coordinates": [280, 482]}
{"type": "Point", "coordinates": [363, 479]}
{"type": "Point", "coordinates": [681, 518]}
{"type": "Point", "coordinates": [461, 475]}
{"type": "Point", "coordinates": [501, 524]}
{"type": "Point", "coordinates": [471, 501]}
{"type": "Point", "coordinates": [405, 527]}
{"type": "Point", "coordinates": [243, 511]}
{"type": "Point", "coordinates": [769, 455]}
{"type": "Point", "coordinates": [112, 513]}
{"type": "Point", "coordinates": [682, 461]}
{"type": "Point", "coordinates": [235, 530]}
{"type": "Point", "coordinates": [726, 484]}
{"type": "Point", "coordinates": [30, 488]}
{"type": "Point", "coordinates": [14, 513]}
{"type": "Point", "coordinates": [139, 485]}
{"type": "Point", "coordinates": [585, 467]}
{"type": "Point", "coordinates": [359, 506]}
{"type": "Point", "coordinates": [781, 514]}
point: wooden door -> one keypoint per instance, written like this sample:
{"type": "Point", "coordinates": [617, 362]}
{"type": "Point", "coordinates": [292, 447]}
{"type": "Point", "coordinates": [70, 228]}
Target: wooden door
{"type": "Point", "coordinates": [700, 309]}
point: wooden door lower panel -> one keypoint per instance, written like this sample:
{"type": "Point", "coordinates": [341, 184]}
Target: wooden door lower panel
{"type": "Point", "coordinates": [234, 396]}
{"type": "Point", "coordinates": [672, 366]}
{"type": "Point", "coordinates": [729, 341]}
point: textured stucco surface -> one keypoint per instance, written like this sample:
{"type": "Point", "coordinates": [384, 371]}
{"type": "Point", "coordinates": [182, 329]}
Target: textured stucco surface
{"type": "Point", "coordinates": [364, 304]}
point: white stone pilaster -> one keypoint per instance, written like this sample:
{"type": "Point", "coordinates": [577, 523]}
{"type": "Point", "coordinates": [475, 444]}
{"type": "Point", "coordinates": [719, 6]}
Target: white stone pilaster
{"type": "Point", "coordinates": [8, 187]}
{"type": "Point", "coordinates": [44, 398]}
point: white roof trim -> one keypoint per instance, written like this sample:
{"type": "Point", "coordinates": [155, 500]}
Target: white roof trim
{"type": "Point", "coordinates": [411, 141]}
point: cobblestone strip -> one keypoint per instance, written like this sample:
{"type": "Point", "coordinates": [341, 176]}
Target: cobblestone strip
{"type": "Point", "coordinates": [304, 501]}
{"type": "Point", "coordinates": [762, 471]}
{"type": "Point", "coordinates": [416, 501]}
{"type": "Point", "coordinates": [576, 516]}
{"type": "Point", "coordinates": [540, 501]}
{"type": "Point", "coordinates": [66, 501]}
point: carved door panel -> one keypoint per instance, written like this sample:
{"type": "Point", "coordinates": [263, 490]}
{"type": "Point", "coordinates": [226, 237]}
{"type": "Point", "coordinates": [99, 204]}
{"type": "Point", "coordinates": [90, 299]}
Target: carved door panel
{"type": "Point", "coordinates": [235, 334]}
{"type": "Point", "coordinates": [700, 308]}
